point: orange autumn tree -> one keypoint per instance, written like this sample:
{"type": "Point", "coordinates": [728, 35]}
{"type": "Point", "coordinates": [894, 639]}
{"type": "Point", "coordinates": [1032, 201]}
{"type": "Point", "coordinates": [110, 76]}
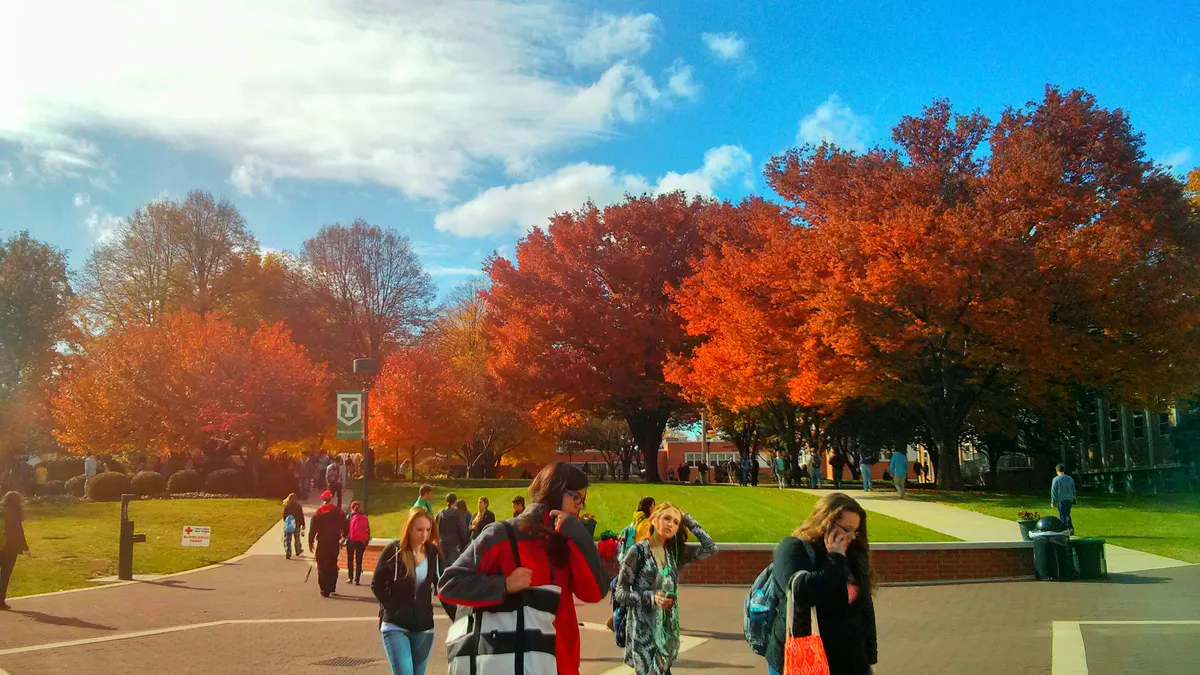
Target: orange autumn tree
{"type": "Point", "coordinates": [190, 383]}
{"type": "Point", "coordinates": [408, 404]}
{"type": "Point", "coordinates": [583, 316]}
{"type": "Point", "coordinates": [933, 273]}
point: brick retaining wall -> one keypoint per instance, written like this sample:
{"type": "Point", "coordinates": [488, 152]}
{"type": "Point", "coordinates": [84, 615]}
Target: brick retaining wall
{"type": "Point", "coordinates": [895, 563]}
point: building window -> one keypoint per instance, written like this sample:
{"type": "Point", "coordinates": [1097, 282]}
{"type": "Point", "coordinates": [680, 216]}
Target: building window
{"type": "Point", "coordinates": [719, 457]}
{"type": "Point", "coordinates": [691, 458]}
{"type": "Point", "coordinates": [1164, 424]}
{"type": "Point", "coordinates": [1139, 425]}
{"type": "Point", "coordinates": [1114, 423]}
{"type": "Point", "coordinates": [1093, 426]}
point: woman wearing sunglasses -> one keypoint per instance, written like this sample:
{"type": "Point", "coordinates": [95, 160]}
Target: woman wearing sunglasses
{"type": "Point", "coordinates": [831, 546]}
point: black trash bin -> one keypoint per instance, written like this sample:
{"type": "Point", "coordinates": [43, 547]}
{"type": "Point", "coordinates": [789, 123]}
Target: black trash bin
{"type": "Point", "coordinates": [1052, 559]}
{"type": "Point", "coordinates": [1089, 557]}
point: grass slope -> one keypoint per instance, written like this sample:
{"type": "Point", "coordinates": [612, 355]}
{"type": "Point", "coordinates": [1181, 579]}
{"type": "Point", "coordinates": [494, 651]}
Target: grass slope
{"type": "Point", "coordinates": [72, 543]}
{"type": "Point", "coordinates": [1165, 525]}
{"type": "Point", "coordinates": [729, 513]}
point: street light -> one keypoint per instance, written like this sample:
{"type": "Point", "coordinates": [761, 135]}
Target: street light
{"type": "Point", "coordinates": [366, 368]}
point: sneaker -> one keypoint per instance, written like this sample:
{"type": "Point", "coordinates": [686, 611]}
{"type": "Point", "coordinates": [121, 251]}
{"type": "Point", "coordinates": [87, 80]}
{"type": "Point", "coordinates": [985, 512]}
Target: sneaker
{"type": "Point", "coordinates": [324, 594]}
{"type": "Point", "coordinates": [288, 556]}
{"type": "Point", "coordinates": [4, 607]}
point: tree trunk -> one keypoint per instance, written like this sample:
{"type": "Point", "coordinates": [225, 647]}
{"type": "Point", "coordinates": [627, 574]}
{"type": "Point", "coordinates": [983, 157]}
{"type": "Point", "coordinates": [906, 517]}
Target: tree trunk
{"type": "Point", "coordinates": [647, 427]}
{"type": "Point", "coordinates": [949, 476]}
{"type": "Point", "coordinates": [412, 464]}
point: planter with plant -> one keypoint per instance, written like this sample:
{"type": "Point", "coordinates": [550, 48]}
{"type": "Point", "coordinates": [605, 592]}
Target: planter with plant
{"type": "Point", "coordinates": [1027, 521]}
{"type": "Point", "coordinates": [589, 521]}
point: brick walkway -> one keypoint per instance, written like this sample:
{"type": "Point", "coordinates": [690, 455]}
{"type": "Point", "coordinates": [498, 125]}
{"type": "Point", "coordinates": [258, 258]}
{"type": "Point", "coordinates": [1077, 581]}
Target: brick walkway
{"type": "Point", "coordinates": [998, 628]}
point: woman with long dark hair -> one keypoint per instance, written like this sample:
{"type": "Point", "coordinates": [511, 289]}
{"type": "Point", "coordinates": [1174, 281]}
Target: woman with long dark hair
{"type": "Point", "coordinates": [408, 571]}
{"type": "Point", "coordinates": [831, 549]}
{"type": "Point", "coordinates": [14, 542]}
{"type": "Point", "coordinates": [557, 560]}
{"type": "Point", "coordinates": [648, 584]}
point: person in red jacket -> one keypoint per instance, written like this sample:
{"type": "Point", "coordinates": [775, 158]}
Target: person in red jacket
{"type": "Point", "coordinates": [325, 534]}
{"type": "Point", "coordinates": [555, 549]}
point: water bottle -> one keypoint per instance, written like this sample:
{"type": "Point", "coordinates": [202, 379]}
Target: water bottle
{"type": "Point", "coordinates": [758, 603]}
{"type": "Point", "coordinates": [668, 589]}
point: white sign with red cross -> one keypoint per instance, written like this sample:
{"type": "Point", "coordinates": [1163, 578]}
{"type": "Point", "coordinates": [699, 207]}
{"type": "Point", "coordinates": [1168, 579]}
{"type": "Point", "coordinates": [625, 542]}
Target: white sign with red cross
{"type": "Point", "coordinates": [196, 535]}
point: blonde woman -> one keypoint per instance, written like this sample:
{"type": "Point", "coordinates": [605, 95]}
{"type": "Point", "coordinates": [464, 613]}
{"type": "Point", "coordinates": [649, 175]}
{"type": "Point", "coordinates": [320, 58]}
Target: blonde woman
{"type": "Point", "coordinates": [832, 555]}
{"type": "Point", "coordinates": [483, 517]}
{"type": "Point", "coordinates": [404, 583]}
{"type": "Point", "coordinates": [647, 585]}
{"type": "Point", "coordinates": [293, 530]}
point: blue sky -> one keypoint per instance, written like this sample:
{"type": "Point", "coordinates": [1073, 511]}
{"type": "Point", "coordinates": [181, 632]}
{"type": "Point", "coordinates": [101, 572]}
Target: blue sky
{"type": "Point", "coordinates": [463, 122]}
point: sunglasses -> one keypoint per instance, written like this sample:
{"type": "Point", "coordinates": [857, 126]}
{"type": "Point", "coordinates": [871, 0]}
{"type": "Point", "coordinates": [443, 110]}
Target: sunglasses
{"type": "Point", "coordinates": [579, 499]}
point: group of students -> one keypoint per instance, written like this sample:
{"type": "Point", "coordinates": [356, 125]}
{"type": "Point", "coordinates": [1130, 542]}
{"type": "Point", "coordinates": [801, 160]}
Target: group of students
{"type": "Point", "coordinates": [510, 586]}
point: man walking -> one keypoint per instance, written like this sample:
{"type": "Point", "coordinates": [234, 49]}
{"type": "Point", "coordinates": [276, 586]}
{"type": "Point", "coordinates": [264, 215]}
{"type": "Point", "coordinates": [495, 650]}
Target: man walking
{"type": "Point", "coordinates": [898, 467]}
{"type": "Point", "coordinates": [1062, 496]}
{"type": "Point", "coordinates": [453, 529]}
{"type": "Point", "coordinates": [90, 466]}
{"type": "Point", "coordinates": [333, 482]}
{"type": "Point", "coordinates": [326, 531]}
{"type": "Point", "coordinates": [780, 467]}
{"type": "Point", "coordinates": [864, 465]}
{"type": "Point", "coordinates": [838, 462]}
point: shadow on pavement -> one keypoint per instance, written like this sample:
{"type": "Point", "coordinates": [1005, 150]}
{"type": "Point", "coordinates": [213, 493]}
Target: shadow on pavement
{"type": "Point", "coordinates": [736, 637]}
{"type": "Point", "coordinates": [689, 663]}
{"type": "Point", "coordinates": [175, 583]}
{"type": "Point", "coordinates": [68, 621]}
{"type": "Point", "coordinates": [1126, 579]}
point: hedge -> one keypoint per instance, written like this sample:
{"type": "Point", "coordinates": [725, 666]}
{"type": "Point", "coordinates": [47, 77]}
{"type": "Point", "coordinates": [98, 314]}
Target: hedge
{"type": "Point", "coordinates": [111, 464]}
{"type": "Point", "coordinates": [107, 487]}
{"type": "Point", "coordinates": [147, 483]}
{"type": "Point", "coordinates": [55, 487]}
{"type": "Point", "coordinates": [227, 482]}
{"type": "Point", "coordinates": [385, 468]}
{"type": "Point", "coordinates": [181, 482]}
{"type": "Point", "coordinates": [77, 486]}
{"type": "Point", "coordinates": [64, 469]}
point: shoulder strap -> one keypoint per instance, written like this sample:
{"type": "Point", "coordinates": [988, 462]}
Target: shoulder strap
{"type": "Point", "coordinates": [512, 540]}
{"type": "Point", "coordinates": [791, 602]}
{"type": "Point", "coordinates": [519, 646]}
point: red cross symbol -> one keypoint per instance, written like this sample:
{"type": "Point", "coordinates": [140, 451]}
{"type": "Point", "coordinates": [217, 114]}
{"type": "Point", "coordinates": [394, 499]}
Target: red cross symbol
{"type": "Point", "coordinates": [188, 530]}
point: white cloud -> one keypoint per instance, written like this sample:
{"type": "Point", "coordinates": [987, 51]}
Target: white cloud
{"type": "Point", "coordinates": [6, 173]}
{"type": "Point", "coordinates": [725, 46]}
{"type": "Point", "coordinates": [100, 223]}
{"type": "Point", "coordinates": [414, 95]}
{"type": "Point", "coordinates": [1178, 160]}
{"type": "Point", "coordinates": [681, 81]}
{"type": "Point", "coordinates": [442, 271]}
{"type": "Point", "coordinates": [518, 207]}
{"type": "Point", "coordinates": [835, 122]}
{"type": "Point", "coordinates": [608, 38]}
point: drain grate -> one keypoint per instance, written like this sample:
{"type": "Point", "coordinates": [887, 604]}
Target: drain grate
{"type": "Point", "coordinates": [347, 662]}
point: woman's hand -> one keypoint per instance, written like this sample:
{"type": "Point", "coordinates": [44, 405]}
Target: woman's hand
{"type": "Point", "coordinates": [559, 518]}
{"type": "Point", "coordinates": [836, 541]}
{"type": "Point", "coordinates": [663, 600]}
{"type": "Point", "coordinates": [520, 579]}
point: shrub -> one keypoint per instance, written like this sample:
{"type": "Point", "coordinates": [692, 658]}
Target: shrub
{"type": "Point", "coordinates": [185, 481]}
{"type": "Point", "coordinates": [276, 483]}
{"type": "Point", "coordinates": [227, 482]}
{"type": "Point", "coordinates": [111, 464]}
{"type": "Point", "coordinates": [64, 469]}
{"type": "Point", "coordinates": [148, 483]}
{"type": "Point", "coordinates": [385, 469]}
{"type": "Point", "coordinates": [55, 487]}
{"type": "Point", "coordinates": [107, 487]}
{"type": "Point", "coordinates": [77, 486]}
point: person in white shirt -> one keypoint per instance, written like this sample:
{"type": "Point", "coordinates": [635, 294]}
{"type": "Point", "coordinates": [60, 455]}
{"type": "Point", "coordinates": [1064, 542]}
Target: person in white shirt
{"type": "Point", "coordinates": [90, 466]}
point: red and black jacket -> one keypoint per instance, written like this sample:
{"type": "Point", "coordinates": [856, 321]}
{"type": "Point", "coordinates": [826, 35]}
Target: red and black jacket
{"type": "Point", "coordinates": [477, 578]}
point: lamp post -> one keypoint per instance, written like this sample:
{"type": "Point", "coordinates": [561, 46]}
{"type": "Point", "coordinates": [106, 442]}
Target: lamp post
{"type": "Point", "coordinates": [366, 368]}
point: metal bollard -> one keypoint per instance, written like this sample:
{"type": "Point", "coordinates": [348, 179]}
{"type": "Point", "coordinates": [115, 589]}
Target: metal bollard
{"type": "Point", "coordinates": [128, 539]}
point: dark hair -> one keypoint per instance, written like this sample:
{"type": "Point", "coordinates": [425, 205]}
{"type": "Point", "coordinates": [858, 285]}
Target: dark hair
{"type": "Point", "coordinates": [12, 501]}
{"type": "Point", "coordinates": [451, 498]}
{"type": "Point", "coordinates": [1061, 468]}
{"type": "Point", "coordinates": [519, 500]}
{"type": "Point", "coordinates": [547, 490]}
{"type": "Point", "coordinates": [646, 505]}
{"type": "Point", "coordinates": [461, 505]}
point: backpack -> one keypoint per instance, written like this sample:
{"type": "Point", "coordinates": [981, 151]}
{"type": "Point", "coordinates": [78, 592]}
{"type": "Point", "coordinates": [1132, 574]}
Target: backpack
{"type": "Point", "coordinates": [289, 524]}
{"type": "Point", "coordinates": [360, 528]}
{"type": "Point", "coordinates": [762, 606]}
{"type": "Point", "coordinates": [619, 611]}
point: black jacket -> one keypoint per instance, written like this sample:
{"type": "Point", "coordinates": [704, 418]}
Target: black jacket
{"type": "Point", "coordinates": [14, 532]}
{"type": "Point", "coordinates": [328, 526]}
{"type": "Point", "coordinates": [296, 511]}
{"type": "Point", "coordinates": [401, 602]}
{"type": "Point", "coordinates": [847, 630]}
{"type": "Point", "coordinates": [453, 528]}
{"type": "Point", "coordinates": [488, 519]}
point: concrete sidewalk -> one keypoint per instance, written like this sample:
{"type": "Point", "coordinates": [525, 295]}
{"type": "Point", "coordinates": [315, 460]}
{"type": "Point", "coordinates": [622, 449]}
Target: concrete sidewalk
{"type": "Point", "coordinates": [271, 543]}
{"type": "Point", "coordinates": [971, 526]}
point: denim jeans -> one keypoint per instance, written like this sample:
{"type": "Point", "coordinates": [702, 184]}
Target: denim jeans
{"type": "Point", "coordinates": [408, 653]}
{"type": "Point", "coordinates": [866, 476]}
{"type": "Point", "coordinates": [354, 559]}
{"type": "Point", "coordinates": [1064, 513]}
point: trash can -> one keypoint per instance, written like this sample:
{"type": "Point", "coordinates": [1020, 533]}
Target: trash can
{"type": "Point", "coordinates": [1089, 557]}
{"type": "Point", "coordinates": [1052, 559]}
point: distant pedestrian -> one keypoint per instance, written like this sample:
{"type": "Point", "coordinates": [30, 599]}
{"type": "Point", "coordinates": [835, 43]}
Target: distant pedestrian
{"type": "Point", "coordinates": [483, 517]}
{"type": "Point", "coordinates": [333, 479]}
{"type": "Point", "coordinates": [14, 542]}
{"type": "Point", "coordinates": [90, 466]}
{"type": "Point", "coordinates": [865, 464]}
{"type": "Point", "coordinates": [461, 507]}
{"type": "Point", "coordinates": [423, 498]}
{"type": "Point", "coordinates": [343, 475]}
{"type": "Point", "coordinates": [898, 467]}
{"type": "Point", "coordinates": [518, 504]}
{"type": "Point", "coordinates": [357, 537]}
{"type": "Point", "coordinates": [40, 475]}
{"type": "Point", "coordinates": [685, 473]}
{"type": "Point", "coordinates": [671, 475]}
{"type": "Point", "coordinates": [780, 465]}
{"type": "Point", "coordinates": [838, 462]}
{"type": "Point", "coordinates": [925, 471]}
{"type": "Point", "coordinates": [405, 580]}
{"type": "Point", "coordinates": [1062, 496]}
{"type": "Point", "coordinates": [325, 533]}
{"type": "Point", "coordinates": [827, 563]}
{"type": "Point", "coordinates": [454, 532]}
{"type": "Point", "coordinates": [322, 471]}
{"type": "Point", "coordinates": [293, 525]}
{"type": "Point", "coordinates": [814, 471]}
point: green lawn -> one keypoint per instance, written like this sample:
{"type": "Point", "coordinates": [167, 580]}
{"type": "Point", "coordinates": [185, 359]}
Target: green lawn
{"type": "Point", "coordinates": [1167, 525]}
{"type": "Point", "coordinates": [72, 543]}
{"type": "Point", "coordinates": [729, 513]}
